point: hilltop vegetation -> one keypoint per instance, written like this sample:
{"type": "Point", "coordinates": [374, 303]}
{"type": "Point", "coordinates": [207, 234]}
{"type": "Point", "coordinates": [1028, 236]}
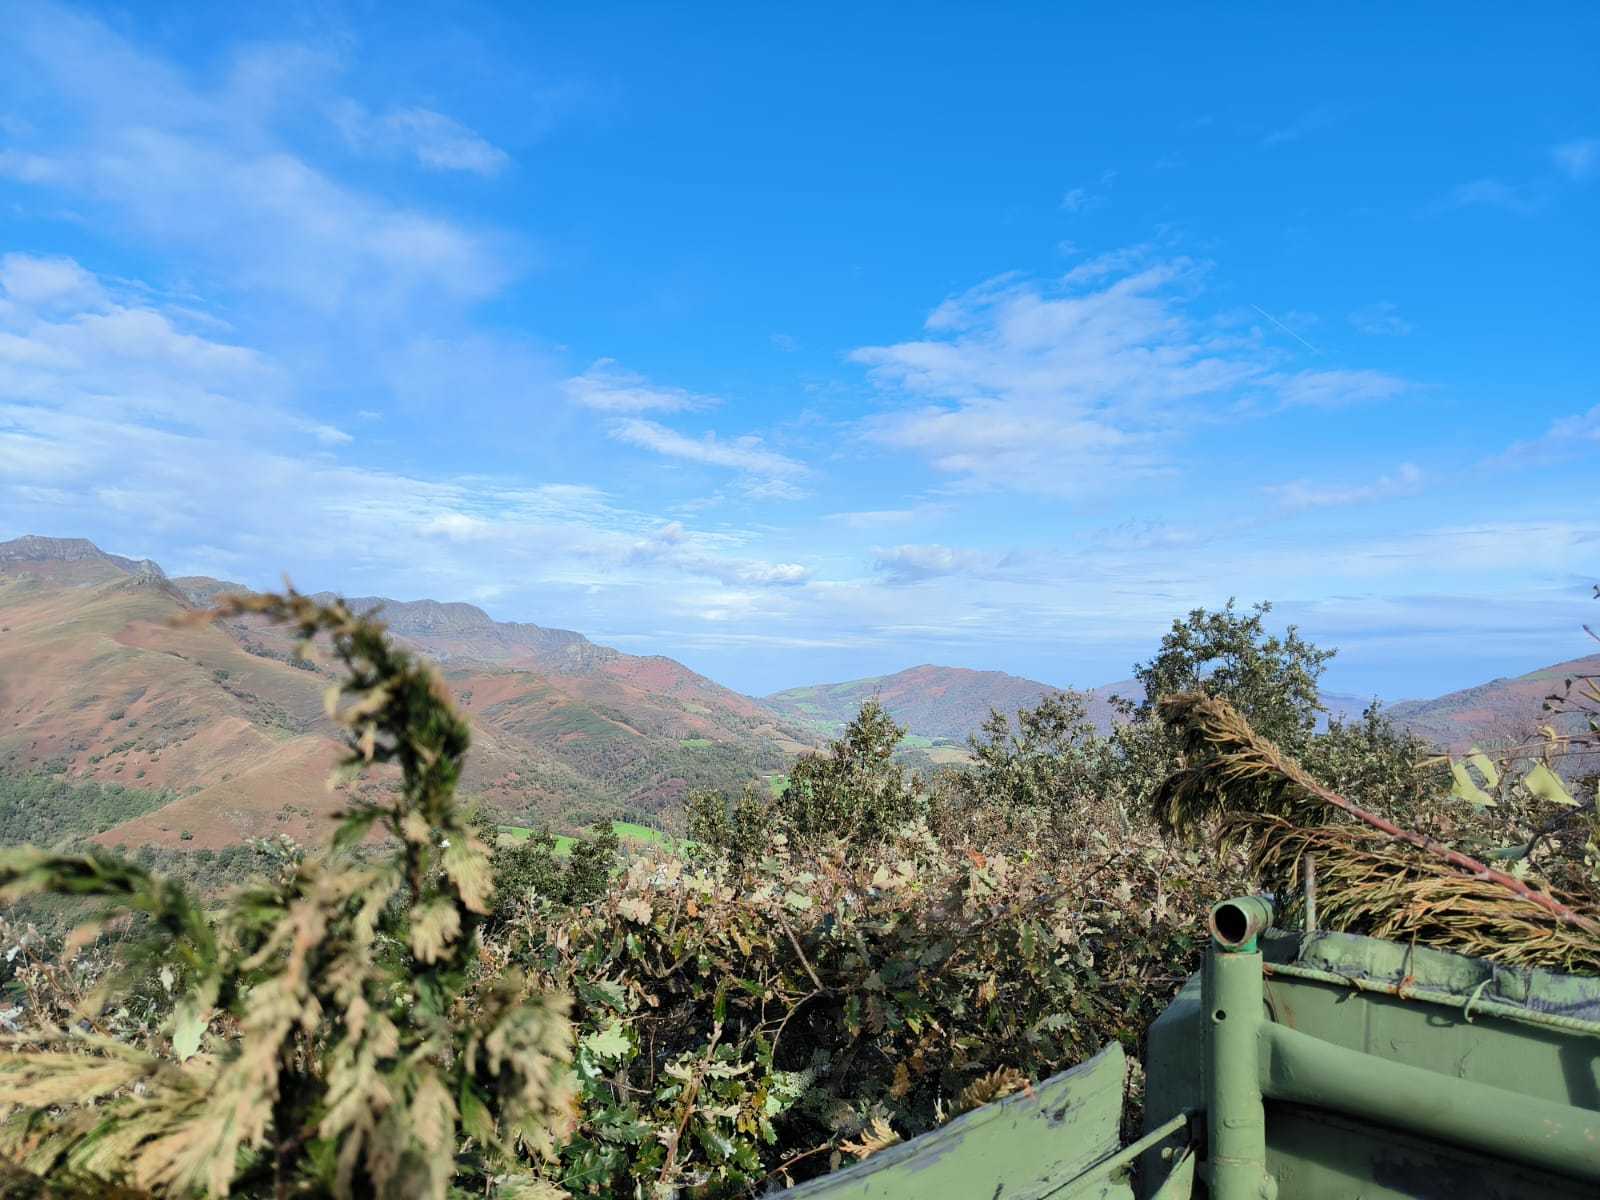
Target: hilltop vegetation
{"type": "Point", "coordinates": [935, 703]}
{"type": "Point", "coordinates": [823, 971]}
{"type": "Point", "coordinates": [1503, 711]}
{"type": "Point", "coordinates": [98, 684]}
{"type": "Point", "coordinates": [41, 810]}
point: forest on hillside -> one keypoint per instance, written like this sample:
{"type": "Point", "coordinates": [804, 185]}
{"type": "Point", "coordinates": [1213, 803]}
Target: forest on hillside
{"type": "Point", "coordinates": [425, 1008]}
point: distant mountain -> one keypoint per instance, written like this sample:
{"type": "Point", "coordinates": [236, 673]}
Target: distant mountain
{"type": "Point", "coordinates": [939, 703]}
{"type": "Point", "coordinates": [1500, 711]}
{"type": "Point", "coordinates": [951, 703]}
{"type": "Point", "coordinates": [97, 682]}
{"type": "Point", "coordinates": [1341, 707]}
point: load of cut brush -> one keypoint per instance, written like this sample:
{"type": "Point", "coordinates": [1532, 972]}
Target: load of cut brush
{"type": "Point", "coordinates": [1373, 876]}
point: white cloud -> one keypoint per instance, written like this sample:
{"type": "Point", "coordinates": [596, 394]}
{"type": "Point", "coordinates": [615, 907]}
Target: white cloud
{"type": "Point", "coordinates": [328, 435]}
{"type": "Point", "coordinates": [1085, 199]}
{"type": "Point", "coordinates": [1382, 319]}
{"type": "Point", "coordinates": [1080, 387]}
{"type": "Point", "coordinates": [768, 469]}
{"type": "Point", "coordinates": [607, 386]}
{"type": "Point", "coordinates": [1523, 199]}
{"type": "Point", "coordinates": [1335, 389]}
{"type": "Point", "coordinates": [204, 170]}
{"type": "Point", "coordinates": [119, 359]}
{"type": "Point", "coordinates": [41, 282]}
{"type": "Point", "coordinates": [1567, 437]}
{"type": "Point", "coordinates": [879, 518]}
{"type": "Point", "coordinates": [1578, 160]}
{"type": "Point", "coordinates": [1324, 116]}
{"type": "Point", "coordinates": [116, 418]}
{"type": "Point", "coordinates": [1301, 494]}
{"type": "Point", "coordinates": [435, 141]}
{"type": "Point", "coordinates": [913, 564]}
{"type": "Point", "coordinates": [1077, 200]}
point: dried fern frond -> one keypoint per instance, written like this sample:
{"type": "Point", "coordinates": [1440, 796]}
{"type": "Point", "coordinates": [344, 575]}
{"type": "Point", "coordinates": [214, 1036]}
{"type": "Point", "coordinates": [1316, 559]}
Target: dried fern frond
{"type": "Point", "coordinates": [877, 1135]}
{"type": "Point", "coordinates": [179, 927]}
{"type": "Point", "coordinates": [1369, 883]}
{"type": "Point", "coordinates": [1229, 769]}
{"type": "Point", "coordinates": [997, 1084]}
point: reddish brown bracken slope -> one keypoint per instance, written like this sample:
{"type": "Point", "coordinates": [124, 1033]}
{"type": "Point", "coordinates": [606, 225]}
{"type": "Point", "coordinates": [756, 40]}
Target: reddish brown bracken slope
{"type": "Point", "coordinates": [97, 681]}
{"type": "Point", "coordinates": [1494, 713]}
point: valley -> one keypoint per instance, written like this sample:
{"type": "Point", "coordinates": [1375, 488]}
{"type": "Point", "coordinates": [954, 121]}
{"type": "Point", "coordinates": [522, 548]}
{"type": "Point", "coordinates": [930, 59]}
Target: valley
{"type": "Point", "coordinates": [216, 732]}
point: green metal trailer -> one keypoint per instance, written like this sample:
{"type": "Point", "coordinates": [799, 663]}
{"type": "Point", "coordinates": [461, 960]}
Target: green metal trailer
{"type": "Point", "coordinates": [1298, 1066]}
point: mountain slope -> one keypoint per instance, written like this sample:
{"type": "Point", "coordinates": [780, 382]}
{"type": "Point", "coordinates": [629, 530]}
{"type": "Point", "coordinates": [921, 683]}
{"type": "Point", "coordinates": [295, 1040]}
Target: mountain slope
{"type": "Point", "coordinates": [97, 682]}
{"type": "Point", "coordinates": [1502, 710]}
{"type": "Point", "coordinates": [948, 703]}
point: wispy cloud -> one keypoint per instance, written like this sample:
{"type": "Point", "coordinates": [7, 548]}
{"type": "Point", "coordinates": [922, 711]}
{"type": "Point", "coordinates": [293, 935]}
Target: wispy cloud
{"type": "Point", "coordinates": [1315, 120]}
{"type": "Point", "coordinates": [913, 564]}
{"type": "Point", "coordinates": [1083, 386]}
{"type": "Point", "coordinates": [1578, 160]}
{"type": "Point", "coordinates": [768, 473]}
{"type": "Point", "coordinates": [672, 544]}
{"type": "Point", "coordinates": [1301, 494]}
{"type": "Point", "coordinates": [1567, 437]}
{"type": "Point", "coordinates": [607, 386]}
{"type": "Point", "coordinates": [1382, 319]}
{"type": "Point", "coordinates": [204, 169]}
{"type": "Point", "coordinates": [1336, 389]}
{"type": "Point", "coordinates": [114, 417]}
{"type": "Point", "coordinates": [1087, 199]}
{"type": "Point", "coordinates": [1523, 199]}
{"type": "Point", "coordinates": [885, 517]}
{"type": "Point", "coordinates": [44, 283]}
{"type": "Point", "coordinates": [432, 139]}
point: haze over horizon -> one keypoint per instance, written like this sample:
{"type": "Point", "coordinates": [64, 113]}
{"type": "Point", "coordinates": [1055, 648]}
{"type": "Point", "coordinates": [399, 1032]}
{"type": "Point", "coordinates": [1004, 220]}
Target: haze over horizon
{"type": "Point", "coordinates": [811, 347]}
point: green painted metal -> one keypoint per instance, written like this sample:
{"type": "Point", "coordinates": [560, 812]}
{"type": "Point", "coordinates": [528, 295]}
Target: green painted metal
{"type": "Point", "coordinates": [1321, 1066]}
{"type": "Point", "coordinates": [1396, 1071]}
{"type": "Point", "coordinates": [1236, 924]}
{"type": "Point", "coordinates": [1299, 1068]}
{"type": "Point", "coordinates": [1060, 1140]}
{"type": "Point", "coordinates": [1236, 1118]}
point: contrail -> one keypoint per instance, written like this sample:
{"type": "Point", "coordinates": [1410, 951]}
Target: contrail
{"type": "Point", "coordinates": [1286, 329]}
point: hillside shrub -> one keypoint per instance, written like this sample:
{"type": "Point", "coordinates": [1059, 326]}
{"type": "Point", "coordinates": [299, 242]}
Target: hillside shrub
{"type": "Point", "coordinates": [321, 1040]}
{"type": "Point", "coordinates": [852, 794]}
{"type": "Point", "coordinates": [742, 1026]}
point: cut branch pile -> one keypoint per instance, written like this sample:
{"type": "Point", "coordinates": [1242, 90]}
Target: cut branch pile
{"type": "Point", "coordinates": [1373, 876]}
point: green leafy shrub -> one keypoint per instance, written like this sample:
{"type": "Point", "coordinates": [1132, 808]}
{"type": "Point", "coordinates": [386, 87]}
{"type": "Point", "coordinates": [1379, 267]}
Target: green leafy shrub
{"type": "Point", "coordinates": [854, 793]}
{"type": "Point", "coordinates": [321, 1041]}
{"type": "Point", "coordinates": [529, 871]}
{"type": "Point", "coordinates": [740, 1027]}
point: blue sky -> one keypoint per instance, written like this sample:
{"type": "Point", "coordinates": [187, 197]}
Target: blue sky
{"type": "Point", "coordinates": [811, 344]}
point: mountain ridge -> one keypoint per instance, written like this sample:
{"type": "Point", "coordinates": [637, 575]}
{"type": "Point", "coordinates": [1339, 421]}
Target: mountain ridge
{"type": "Point", "coordinates": [99, 680]}
{"type": "Point", "coordinates": [942, 703]}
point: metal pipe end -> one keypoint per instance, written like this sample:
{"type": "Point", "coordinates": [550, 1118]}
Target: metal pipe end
{"type": "Point", "coordinates": [1236, 924]}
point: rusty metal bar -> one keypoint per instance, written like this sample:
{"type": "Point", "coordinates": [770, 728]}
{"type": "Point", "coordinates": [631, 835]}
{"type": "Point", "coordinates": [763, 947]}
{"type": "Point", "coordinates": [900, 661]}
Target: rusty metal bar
{"type": "Point", "coordinates": [1309, 863]}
